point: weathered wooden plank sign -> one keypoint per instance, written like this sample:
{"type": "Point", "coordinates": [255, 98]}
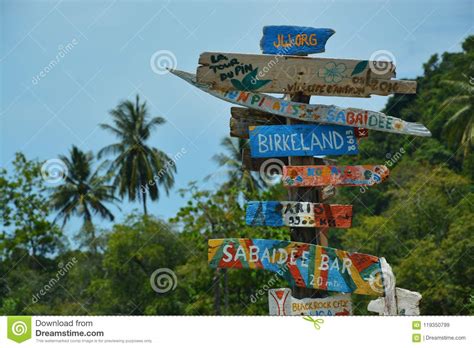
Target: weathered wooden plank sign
{"type": "Point", "coordinates": [301, 264]}
{"type": "Point", "coordinates": [289, 39]}
{"type": "Point", "coordinates": [302, 140]}
{"type": "Point", "coordinates": [243, 118]}
{"type": "Point", "coordinates": [407, 303]}
{"type": "Point", "coordinates": [281, 302]}
{"type": "Point", "coordinates": [292, 74]}
{"type": "Point", "coordinates": [307, 176]}
{"type": "Point", "coordinates": [298, 214]}
{"type": "Point", "coordinates": [330, 114]}
{"type": "Point", "coordinates": [252, 114]}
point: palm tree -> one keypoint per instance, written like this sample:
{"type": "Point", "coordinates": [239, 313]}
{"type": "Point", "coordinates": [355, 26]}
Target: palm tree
{"type": "Point", "coordinates": [138, 168]}
{"type": "Point", "coordinates": [83, 193]}
{"type": "Point", "coordinates": [232, 161]}
{"type": "Point", "coordinates": [459, 129]}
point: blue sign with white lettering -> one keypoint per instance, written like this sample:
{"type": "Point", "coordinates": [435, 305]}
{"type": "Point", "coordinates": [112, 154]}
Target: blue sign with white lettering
{"type": "Point", "coordinates": [289, 39]}
{"type": "Point", "coordinates": [302, 140]}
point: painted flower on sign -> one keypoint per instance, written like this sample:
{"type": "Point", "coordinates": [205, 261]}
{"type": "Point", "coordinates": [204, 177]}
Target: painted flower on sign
{"type": "Point", "coordinates": [398, 125]}
{"type": "Point", "coordinates": [332, 72]}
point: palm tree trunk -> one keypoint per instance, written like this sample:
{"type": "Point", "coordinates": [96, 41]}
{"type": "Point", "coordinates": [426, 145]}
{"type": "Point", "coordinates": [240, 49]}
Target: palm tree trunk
{"type": "Point", "coordinates": [145, 211]}
{"type": "Point", "coordinates": [90, 229]}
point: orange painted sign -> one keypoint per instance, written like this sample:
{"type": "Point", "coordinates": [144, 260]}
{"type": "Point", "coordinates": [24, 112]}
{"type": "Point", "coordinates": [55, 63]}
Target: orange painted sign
{"type": "Point", "coordinates": [307, 176]}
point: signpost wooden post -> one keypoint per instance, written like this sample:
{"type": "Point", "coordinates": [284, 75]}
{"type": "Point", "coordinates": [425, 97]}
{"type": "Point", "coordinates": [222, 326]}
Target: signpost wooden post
{"type": "Point", "coordinates": [280, 302]}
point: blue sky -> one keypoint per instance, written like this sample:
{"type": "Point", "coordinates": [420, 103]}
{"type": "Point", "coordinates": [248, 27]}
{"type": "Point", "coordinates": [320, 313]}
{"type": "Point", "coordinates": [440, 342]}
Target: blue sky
{"type": "Point", "coordinates": [111, 44]}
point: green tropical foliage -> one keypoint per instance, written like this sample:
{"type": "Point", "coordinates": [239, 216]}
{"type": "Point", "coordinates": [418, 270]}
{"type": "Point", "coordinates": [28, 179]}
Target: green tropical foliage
{"type": "Point", "coordinates": [460, 126]}
{"type": "Point", "coordinates": [230, 164]}
{"type": "Point", "coordinates": [139, 169]}
{"type": "Point", "coordinates": [84, 193]}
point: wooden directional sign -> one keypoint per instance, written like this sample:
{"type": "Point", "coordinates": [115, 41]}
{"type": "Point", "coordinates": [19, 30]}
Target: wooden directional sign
{"type": "Point", "coordinates": [313, 113]}
{"type": "Point", "coordinates": [280, 302]}
{"type": "Point", "coordinates": [302, 140]}
{"type": "Point", "coordinates": [288, 39]}
{"type": "Point", "coordinates": [301, 264]}
{"type": "Point", "coordinates": [307, 176]}
{"type": "Point", "coordinates": [291, 74]}
{"type": "Point", "coordinates": [298, 214]}
{"type": "Point", "coordinates": [251, 114]}
{"type": "Point", "coordinates": [407, 303]}
{"type": "Point", "coordinates": [243, 118]}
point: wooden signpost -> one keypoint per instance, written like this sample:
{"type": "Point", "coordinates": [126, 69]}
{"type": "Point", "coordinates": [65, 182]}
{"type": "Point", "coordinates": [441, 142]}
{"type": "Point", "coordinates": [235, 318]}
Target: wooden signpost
{"type": "Point", "coordinates": [329, 114]}
{"type": "Point", "coordinates": [280, 302]}
{"type": "Point", "coordinates": [292, 74]}
{"type": "Point", "coordinates": [288, 39]}
{"type": "Point", "coordinates": [302, 140]}
{"type": "Point", "coordinates": [298, 214]}
{"type": "Point", "coordinates": [308, 176]}
{"type": "Point", "coordinates": [301, 264]}
{"type": "Point", "coordinates": [327, 192]}
{"type": "Point", "coordinates": [407, 303]}
{"type": "Point", "coordinates": [289, 136]}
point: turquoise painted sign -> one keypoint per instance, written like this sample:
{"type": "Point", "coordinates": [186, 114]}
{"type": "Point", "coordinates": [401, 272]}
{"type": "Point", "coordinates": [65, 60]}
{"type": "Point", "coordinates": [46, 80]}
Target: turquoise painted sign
{"type": "Point", "coordinates": [289, 39]}
{"type": "Point", "coordinates": [302, 140]}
